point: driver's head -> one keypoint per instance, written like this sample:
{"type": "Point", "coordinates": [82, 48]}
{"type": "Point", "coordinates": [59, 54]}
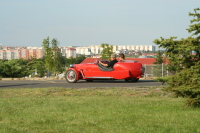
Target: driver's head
{"type": "Point", "coordinates": [113, 56]}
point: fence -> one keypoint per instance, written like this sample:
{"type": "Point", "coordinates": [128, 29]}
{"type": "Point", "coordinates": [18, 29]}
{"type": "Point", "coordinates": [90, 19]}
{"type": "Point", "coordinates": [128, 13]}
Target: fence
{"type": "Point", "coordinates": [156, 70]}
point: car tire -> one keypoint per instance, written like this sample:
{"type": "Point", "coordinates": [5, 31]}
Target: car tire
{"type": "Point", "coordinates": [132, 80]}
{"type": "Point", "coordinates": [135, 80]}
{"type": "Point", "coordinates": [71, 76]}
{"type": "Point", "coordinates": [127, 80]}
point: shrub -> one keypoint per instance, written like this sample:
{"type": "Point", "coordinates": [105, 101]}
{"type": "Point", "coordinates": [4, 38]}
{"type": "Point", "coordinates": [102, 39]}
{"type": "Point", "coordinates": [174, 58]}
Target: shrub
{"type": "Point", "coordinates": [187, 84]}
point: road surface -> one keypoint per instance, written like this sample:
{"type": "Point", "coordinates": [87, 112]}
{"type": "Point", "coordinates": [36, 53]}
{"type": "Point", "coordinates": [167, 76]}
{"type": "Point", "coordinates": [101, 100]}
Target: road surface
{"type": "Point", "coordinates": [6, 84]}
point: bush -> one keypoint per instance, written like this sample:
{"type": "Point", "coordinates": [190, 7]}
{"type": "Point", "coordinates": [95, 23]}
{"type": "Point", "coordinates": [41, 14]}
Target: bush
{"type": "Point", "coordinates": [162, 79]}
{"type": "Point", "coordinates": [187, 84]}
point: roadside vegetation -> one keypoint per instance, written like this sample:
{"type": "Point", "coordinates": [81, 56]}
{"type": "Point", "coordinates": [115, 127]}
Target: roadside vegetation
{"type": "Point", "coordinates": [184, 62]}
{"type": "Point", "coordinates": [100, 110]}
{"type": "Point", "coordinates": [18, 68]}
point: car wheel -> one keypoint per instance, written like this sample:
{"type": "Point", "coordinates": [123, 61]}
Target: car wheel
{"type": "Point", "coordinates": [71, 76]}
{"type": "Point", "coordinates": [127, 80]}
{"type": "Point", "coordinates": [132, 80]}
{"type": "Point", "coordinates": [89, 80]}
{"type": "Point", "coordinates": [135, 80]}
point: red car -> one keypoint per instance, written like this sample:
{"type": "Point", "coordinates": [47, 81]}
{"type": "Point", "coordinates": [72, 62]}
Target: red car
{"type": "Point", "coordinates": [128, 70]}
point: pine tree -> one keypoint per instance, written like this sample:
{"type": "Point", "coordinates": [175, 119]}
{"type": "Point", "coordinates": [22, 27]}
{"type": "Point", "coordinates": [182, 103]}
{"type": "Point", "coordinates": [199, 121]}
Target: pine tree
{"type": "Point", "coordinates": [184, 60]}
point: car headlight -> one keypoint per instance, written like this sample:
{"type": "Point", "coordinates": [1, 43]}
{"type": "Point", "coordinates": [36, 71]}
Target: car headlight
{"type": "Point", "coordinates": [71, 65]}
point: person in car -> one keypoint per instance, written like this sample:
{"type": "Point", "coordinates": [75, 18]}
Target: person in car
{"type": "Point", "coordinates": [111, 63]}
{"type": "Point", "coordinates": [121, 57]}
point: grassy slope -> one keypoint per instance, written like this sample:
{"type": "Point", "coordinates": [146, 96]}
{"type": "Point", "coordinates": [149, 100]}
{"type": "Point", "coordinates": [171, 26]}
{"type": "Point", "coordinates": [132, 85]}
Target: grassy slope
{"type": "Point", "coordinates": [95, 110]}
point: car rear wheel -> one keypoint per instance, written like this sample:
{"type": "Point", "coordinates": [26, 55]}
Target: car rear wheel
{"type": "Point", "coordinates": [132, 80]}
{"type": "Point", "coordinates": [71, 76]}
{"type": "Point", "coordinates": [135, 80]}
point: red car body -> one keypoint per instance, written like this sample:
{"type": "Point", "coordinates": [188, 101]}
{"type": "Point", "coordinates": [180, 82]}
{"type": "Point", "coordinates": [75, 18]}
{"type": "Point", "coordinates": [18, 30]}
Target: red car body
{"type": "Point", "coordinates": [127, 70]}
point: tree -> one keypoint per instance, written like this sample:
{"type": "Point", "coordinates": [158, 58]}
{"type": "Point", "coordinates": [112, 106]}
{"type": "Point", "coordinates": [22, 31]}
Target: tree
{"type": "Point", "coordinates": [159, 58]}
{"type": "Point", "coordinates": [59, 63]}
{"type": "Point", "coordinates": [76, 60]}
{"type": "Point", "coordinates": [37, 64]}
{"type": "Point", "coordinates": [107, 51]}
{"type": "Point", "coordinates": [184, 61]}
{"type": "Point", "coordinates": [79, 59]}
{"type": "Point", "coordinates": [54, 61]}
{"type": "Point", "coordinates": [2, 67]}
{"type": "Point", "coordinates": [48, 54]}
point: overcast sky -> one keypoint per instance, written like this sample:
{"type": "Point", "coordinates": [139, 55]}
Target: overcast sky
{"type": "Point", "coordinates": [93, 22]}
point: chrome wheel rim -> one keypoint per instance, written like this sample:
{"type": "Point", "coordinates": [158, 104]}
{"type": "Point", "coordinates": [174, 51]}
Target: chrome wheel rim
{"type": "Point", "coordinates": [71, 76]}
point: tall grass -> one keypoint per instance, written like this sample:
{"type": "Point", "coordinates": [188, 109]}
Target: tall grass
{"type": "Point", "coordinates": [95, 110]}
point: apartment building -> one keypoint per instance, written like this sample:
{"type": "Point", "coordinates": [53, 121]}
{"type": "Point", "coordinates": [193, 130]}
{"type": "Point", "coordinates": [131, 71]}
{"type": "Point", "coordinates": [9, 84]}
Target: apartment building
{"type": "Point", "coordinates": [8, 52]}
{"type": "Point", "coordinates": [3, 54]}
{"type": "Point", "coordinates": [35, 52]}
{"type": "Point", "coordinates": [95, 50]}
{"type": "Point", "coordinates": [137, 48]}
{"type": "Point", "coordinates": [71, 52]}
{"type": "Point", "coordinates": [83, 50]}
{"type": "Point", "coordinates": [24, 54]}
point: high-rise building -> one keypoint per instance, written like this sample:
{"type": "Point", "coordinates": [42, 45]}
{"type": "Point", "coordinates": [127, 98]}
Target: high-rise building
{"type": "Point", "coordinates": [71, 52]}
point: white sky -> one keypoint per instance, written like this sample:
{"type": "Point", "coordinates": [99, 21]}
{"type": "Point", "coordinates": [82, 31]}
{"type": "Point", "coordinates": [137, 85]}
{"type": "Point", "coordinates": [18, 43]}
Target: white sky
{"type": "Point", "coordinates": [93, 22]}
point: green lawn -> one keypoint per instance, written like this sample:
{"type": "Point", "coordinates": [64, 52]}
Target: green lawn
{"type": "Point", "coordinates": [95, 110]}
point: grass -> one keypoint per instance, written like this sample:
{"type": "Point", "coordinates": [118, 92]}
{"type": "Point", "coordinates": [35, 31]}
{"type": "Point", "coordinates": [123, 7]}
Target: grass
{"type": "Point", "coordinates": [95, 110]}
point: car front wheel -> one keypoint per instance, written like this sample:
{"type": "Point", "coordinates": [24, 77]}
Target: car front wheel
{"type": "Point", "coordinates": [71, 76]}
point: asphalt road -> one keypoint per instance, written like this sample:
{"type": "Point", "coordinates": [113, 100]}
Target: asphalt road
{"type": "Point", "coordinates": [80, 84]}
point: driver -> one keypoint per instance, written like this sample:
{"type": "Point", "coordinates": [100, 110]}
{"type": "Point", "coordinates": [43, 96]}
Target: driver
{"type": "Point", "coordinates": [111, 63]}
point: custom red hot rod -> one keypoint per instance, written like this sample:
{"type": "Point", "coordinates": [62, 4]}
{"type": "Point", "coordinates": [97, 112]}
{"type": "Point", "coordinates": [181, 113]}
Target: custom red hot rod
{"type": "Point", "coordinates": [128, 70]}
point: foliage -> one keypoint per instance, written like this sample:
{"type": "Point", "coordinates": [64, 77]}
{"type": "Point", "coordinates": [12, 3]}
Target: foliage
{"type": "Point", "coordinates": [79, 59]}
{"type": "Point", "coordinates": [48, 54]}
{"type": "Point", "coordinates": [162, 79]}
{"type": "Point", "coordinates": [15, 68]}
{"type": "Point", "coordinates": [107, 51]}
{"type": "Point", "coordinates": [159, 58]}
{"type": "Point", "coordinates": [187, 84]}
{"type": "Point", "coordinates": [58, 60]}
{"type": "Point", "coordinates": [52, 56]}
{"type": "Point", "coordinates": [76, 60]}
{"type": "Point", "coordinates": [19, 67]}
{"type": "Point", "coordinates": [2, 66]}
{"type": "Point", "coordinates": [54, 61]}
{"type": "Point", "coordinates": [184, 61]}
{"type": "Point", "coordinates": [37, 65]}
{"type": "Point", "coordinates": [179, 52]}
